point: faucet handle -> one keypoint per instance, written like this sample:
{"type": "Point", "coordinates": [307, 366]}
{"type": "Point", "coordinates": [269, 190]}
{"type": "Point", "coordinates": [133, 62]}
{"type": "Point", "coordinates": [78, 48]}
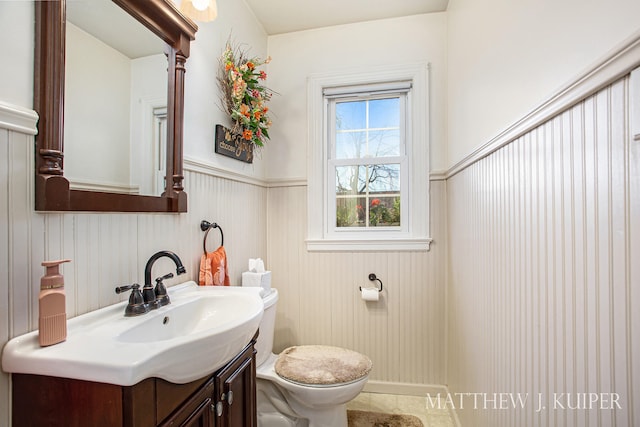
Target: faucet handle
{"type": "Point", "coordinates": [136, 304]}
{"type": "Point", "coordinates": [121, 289]}
{"type": "Point", "coordinates": [161, 291]}
{"type": "Point", "coordinates": [166, 276]}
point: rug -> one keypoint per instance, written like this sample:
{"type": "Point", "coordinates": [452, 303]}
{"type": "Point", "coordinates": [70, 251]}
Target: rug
{"type": "Point", "coordinates": [378, 419]}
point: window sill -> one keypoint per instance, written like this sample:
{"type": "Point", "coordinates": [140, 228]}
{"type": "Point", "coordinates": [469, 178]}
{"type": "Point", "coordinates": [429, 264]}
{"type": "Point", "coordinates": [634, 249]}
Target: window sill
{"type": "Point", "coordinates": [360, 245]}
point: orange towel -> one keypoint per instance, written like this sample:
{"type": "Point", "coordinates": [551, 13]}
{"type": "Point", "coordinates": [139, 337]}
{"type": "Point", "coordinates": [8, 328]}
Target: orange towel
{"type": "Point", "coordinates": [214, 270]}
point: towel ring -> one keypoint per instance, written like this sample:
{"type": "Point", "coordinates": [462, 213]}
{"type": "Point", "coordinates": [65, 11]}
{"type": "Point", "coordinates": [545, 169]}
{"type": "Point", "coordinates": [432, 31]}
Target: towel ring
{"type": "Point", "coordinates": [373, 277]}
{"type": "Point", "coordinates": [206, 226]}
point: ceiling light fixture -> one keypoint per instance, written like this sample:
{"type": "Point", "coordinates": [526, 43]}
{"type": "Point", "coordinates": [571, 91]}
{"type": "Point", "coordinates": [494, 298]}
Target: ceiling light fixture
{"type": "Point", "coordinates": [200, 10]}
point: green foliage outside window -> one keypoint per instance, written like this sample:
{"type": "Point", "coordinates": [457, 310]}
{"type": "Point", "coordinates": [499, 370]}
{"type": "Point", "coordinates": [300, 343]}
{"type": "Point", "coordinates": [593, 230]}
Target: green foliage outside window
{"type": "Point", "coordinates": [383, 212]}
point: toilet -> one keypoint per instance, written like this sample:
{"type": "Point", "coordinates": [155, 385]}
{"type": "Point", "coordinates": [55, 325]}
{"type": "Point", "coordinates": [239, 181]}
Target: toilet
{"type": "Point", "coordinates": [304, 386]}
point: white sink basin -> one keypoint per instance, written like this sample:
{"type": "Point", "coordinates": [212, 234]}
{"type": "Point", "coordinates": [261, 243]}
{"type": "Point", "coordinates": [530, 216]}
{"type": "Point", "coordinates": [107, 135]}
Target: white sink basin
{"type": "Point", "coordinates": [202, 329]}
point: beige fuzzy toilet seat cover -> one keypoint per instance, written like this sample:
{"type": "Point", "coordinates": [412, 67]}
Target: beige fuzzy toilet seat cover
{"type": "Point", "coordinates": [322, 365]}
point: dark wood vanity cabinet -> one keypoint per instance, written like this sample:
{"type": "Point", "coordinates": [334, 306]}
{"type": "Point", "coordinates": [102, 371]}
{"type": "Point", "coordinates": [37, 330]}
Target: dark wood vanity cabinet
{"type": "Point", "coordinates": [226, 398]}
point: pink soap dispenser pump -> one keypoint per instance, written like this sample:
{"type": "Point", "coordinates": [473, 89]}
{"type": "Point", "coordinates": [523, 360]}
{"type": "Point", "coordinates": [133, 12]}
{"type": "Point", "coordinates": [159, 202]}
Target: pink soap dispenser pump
{"type": "Point", "coordinates": [53, 314]}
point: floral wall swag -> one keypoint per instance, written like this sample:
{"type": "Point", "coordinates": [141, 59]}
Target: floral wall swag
{"type": "Point", "coordinates": [244, 95]}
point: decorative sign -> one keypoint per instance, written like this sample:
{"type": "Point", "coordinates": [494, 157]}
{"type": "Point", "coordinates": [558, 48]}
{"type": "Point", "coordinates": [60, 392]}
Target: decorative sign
{"type": "Point", "coordinates": [233, 145]}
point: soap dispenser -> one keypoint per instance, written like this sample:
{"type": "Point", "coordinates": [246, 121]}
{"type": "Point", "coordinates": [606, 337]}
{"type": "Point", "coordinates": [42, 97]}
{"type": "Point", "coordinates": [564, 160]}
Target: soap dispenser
{"type": "Point", "coordinates": [53, 315]}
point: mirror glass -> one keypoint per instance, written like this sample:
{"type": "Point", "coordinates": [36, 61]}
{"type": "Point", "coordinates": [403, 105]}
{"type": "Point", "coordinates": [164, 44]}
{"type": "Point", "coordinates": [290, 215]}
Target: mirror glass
{"type": "Point", "coordinates": [115, 101]}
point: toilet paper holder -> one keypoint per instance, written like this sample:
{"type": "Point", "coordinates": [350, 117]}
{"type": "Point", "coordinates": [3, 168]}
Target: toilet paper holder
{"type": "Point", "coordinates": [373, 278]}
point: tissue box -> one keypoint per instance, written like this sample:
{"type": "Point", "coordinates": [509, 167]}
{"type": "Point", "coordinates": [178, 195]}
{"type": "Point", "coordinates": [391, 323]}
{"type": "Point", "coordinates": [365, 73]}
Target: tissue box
{"type": "Point", "coordinates": [252, 279]}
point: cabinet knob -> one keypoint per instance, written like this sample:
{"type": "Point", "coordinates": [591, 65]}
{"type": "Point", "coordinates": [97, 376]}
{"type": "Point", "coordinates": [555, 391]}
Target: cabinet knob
{"type": "Point", "coordinates": [228, 397]}
{"type": "Point", "coordinates": [219, 408]}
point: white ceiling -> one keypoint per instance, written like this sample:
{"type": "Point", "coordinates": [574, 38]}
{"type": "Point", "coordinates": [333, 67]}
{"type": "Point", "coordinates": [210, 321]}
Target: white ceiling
{"type": "Point", "coordinates": [283, 16]}
{"type": "Point", "coordinates": [106, 21]}
{"type": "Point", "coordinates": [101, 17]}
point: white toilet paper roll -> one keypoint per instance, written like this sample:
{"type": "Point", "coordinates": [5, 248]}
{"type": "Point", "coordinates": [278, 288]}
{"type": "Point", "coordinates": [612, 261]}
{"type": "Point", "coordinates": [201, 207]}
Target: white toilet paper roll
{"type": "Point", "coordinates": [370, 294]}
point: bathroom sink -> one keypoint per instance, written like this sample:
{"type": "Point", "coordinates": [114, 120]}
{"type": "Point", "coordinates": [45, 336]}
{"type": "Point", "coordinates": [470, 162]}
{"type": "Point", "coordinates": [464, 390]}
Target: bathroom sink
{"type": "Point", "coordinates": [191, 317]}
{"type": "Point", "coordinates": [200, 331]}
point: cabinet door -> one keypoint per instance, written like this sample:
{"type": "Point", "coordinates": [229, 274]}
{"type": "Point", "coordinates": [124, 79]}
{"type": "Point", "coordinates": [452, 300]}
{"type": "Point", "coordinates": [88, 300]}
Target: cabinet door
{"type": "Point", "coordinates": [236, 392]}
{"type": "Point", "coordinates": [197, 411]}
{"type": "Point", "coordinates": [201, 417]}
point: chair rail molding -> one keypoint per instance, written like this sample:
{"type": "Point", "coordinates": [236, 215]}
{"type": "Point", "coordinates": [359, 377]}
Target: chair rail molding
{"type": "Point", "coordinates": [622, 60]}
{"type": "Point", "coordinates": [19, 119]}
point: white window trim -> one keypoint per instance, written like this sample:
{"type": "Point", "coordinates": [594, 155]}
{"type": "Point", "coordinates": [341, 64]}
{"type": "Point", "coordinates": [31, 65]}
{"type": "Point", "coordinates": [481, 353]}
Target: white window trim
{"type": "Point", "coordinates": [417, 236]}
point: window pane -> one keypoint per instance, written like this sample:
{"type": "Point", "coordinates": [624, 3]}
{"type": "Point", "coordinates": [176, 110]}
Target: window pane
{"type": "Point", "coordinates": [384, 113]}
{"type": "Point", "coordinates": [384, 143]}
{"type": "Point", "coordinates": [351, 115]}
{"type": "Point", "coordinates": [384, 212]}
{"type": "Point", "coordinates": [346, 212]}
{"type": "Point", "coordinates": [384, 178]}
{"type": "Point", "coordinates": [350, 179]}
{"type": "Point", "coordinates": [369, 128]}
{"type": "Point", "coordinates": [368, 195]}
{"type": "Point", "coordinates": [351, 145]}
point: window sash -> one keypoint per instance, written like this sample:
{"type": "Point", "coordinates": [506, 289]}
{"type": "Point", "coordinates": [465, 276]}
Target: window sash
{"type": "Point", "coordinates": [332, 164]}
{"type": "Point", "coordinates": [331, 203]}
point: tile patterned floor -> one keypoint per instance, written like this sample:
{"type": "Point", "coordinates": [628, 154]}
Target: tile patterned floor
{"type": "Point", "coordinates": [398, 404]}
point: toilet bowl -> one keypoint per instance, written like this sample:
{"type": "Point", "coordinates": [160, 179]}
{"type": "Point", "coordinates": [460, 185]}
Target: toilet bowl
{"type": "Point", "coordinates": [313, 394]}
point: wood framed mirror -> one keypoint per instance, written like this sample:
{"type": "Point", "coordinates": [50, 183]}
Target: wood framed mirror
{"type": "Point", "coordinates": [52, 188]}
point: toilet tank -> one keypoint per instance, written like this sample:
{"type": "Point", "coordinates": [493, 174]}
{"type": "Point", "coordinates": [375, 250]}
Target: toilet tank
{"type": "Point", "coordinates": [264, 345]}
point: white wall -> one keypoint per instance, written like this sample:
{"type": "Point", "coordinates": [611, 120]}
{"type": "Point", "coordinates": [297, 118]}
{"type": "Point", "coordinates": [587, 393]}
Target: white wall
{"type": "Point", "coordinates": [403, 333]}
{"type": "Point", "coordinates": [543, 272]}
{"type": "Point", "coordinates": [419, 38]}
{"type": "Point", "coordinates": [320, 303]}
{"type": "Point", "coordinates": [542, 231]}
{"type": "Point", "coordinates": [202, 109]}
{"type": "Point", "coordinates": [148, 91]}
{"type": "Point", "coordinates": [16, 33]}
{"type": "Point", "coordinates": [97, 110]}
{"type": "Point", "coordinates": [506, 57]}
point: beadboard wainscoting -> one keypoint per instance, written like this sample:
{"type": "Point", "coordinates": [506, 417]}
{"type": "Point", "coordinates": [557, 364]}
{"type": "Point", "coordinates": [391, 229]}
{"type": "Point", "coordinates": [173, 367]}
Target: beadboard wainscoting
{"type": "Point", "coordinates": [107, 249]}
{"type": "Point", "coordinates": [544, 242]}
{"type": "Point", "coordinates": [403, 333]}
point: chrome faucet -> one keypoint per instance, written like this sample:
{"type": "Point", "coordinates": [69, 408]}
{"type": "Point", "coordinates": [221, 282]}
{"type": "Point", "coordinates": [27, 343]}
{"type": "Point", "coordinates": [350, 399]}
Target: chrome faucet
{"type": "Point", "coordinates": [158, 297]}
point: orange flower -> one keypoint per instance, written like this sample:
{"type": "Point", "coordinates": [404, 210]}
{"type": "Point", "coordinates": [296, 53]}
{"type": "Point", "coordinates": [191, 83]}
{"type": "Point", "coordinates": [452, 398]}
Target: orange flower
{"type": "Point", "coordinates": [250, 65]}
{"type": "Point", "coordinates": [228, 66]}
{"type": "Point", "coordinates": [257, 114]}
{"type": "Point", "coordinates": [244, 110]}
{"type": "Point", "coordinates": [247, 134]}
{"type": "Point", "coordinates": [375, 202]}
{"type": "Point", "coordinates": [264, 110]}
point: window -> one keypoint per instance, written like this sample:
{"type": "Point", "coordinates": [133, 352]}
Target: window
{"type": "Point", "coordinates": [367, 167]}
{"type": "Point", "coordinates": [368, 162]}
